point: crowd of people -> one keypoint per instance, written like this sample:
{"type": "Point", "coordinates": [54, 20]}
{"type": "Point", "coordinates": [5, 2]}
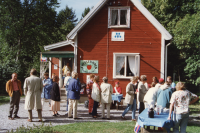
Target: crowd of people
{"type": "Point", "coordinates": [139, 94]}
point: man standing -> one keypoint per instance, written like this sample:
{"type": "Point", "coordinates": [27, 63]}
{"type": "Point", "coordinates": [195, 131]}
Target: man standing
{"type": "Point", "coordinates": [172, 84]}
{"type": "Point", "coordinates": [13, 87]}
{"type": "Point", "coordinates": [32, 90]}
{"type": "Point", "coordinates": [47, 86]}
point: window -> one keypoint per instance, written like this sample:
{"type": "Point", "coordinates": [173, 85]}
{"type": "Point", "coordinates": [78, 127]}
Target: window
{"type": "Point", "coordinates": [126, 65]}
{"type": "Point", "coordinates": [119, 17]}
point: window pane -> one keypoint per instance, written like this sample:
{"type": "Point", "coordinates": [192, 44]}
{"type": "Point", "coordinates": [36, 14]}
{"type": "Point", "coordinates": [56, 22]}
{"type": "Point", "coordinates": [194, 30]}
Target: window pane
{"type": "Point", "coordinates": [123, 17]}
{"type": "Point", "coordinates": [114, 17]}
{"type": "Point", "coordinates": [120, 64]}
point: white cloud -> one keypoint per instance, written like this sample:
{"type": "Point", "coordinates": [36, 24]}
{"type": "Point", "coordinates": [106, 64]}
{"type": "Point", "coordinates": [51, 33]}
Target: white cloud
{"type": "Point", "coordinates": [77, 5]}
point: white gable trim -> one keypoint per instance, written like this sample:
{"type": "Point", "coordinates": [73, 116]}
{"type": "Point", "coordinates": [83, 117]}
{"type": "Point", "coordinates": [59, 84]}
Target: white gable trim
{"type": "Point", "coordinates": [59, 44]}
{"type": "Point", "coordinates": [86, 19]}
{"type": "Point", "coordinates": [137, 3]}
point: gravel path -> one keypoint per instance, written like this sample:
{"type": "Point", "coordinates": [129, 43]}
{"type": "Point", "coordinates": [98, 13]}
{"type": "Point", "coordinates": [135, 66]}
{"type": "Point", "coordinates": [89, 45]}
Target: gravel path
{"type": "Point", "coordinates": [7, 125]}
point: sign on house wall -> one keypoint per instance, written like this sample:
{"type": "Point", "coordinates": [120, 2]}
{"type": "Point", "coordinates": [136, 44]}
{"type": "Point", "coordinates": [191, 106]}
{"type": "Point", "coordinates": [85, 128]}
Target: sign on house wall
{"type": "Point", "coordinates": [117, 36]}
{"type": "Point", "coordinates": [89, 66]}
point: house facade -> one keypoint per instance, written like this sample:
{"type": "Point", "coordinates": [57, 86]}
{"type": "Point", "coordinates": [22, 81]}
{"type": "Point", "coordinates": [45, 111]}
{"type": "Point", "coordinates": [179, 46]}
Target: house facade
{"type": "Point", "coordinates": [118, 39]}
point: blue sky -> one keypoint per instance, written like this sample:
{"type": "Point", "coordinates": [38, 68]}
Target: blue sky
{"type": "Point", "coordinates": [77, 5]}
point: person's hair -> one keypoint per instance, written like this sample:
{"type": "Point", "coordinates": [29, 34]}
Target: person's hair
{"type": "Point", "coordinates": [169, 77]}
{"type": "Point", "coordinates": [180, 86]}
{"type": "Point", "coordinates": [92, 75]}
{"type": "Point", "coordinates": [105, 79]}
{"type": "Point", "coordinates": [55, 78]}
{"type": "Point", "coordinates": [46, 74]}
{"type": "Point", "coordinates": [137, 77]}
{"type": "Point", "coordinates": [143, 78]}
{"type": "Point", "coordinates": [96, 79]}
{"type": "Point", "coordinates": [14, 73]}
{"type": "Point", "coordinates": [53, 74]}
{"type": "Point", "coordinates": [33, 71]}
{"type": "Point", "coordinates": [133, 79]}
{"type": "Point", "coordinates": [74, 74]}
{"type": "Point", "coordinates": [167, 83]}
{"type": "Point", "coordinates": [156, 79]}
{"type": "Point", "coordinates": [153, 84]}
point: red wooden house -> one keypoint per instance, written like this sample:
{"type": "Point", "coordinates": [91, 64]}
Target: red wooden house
{"type": "Point", "coordinates": [117, 39]}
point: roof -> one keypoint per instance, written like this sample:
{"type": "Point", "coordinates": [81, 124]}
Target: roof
{"type": "Point", "coordinates": [166, 35]}
{"type": "Point", "coordinates": [59, 44]}
{"type": "Point", "coordinates": [137, 3]}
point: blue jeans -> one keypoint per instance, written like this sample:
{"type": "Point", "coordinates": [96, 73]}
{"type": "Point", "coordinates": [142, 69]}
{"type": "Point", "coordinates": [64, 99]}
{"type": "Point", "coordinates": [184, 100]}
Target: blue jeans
{"type": "Point", "coordinates": [130, 107]}
{"type": "Point", "coordinates": [67, 101]}
{"type": "Point", "coordinates": [180, 120]}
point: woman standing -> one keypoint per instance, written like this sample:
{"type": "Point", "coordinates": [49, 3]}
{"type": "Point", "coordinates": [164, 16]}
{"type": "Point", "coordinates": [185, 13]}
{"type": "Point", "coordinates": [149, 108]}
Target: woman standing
{"type": "Point", "coordinates": [142, 88]}
{"type": "Point", "coordinates": [180, 101]}
{"type": "Point", "coordinates": [106, 98]}
{"type": "Point", "coordinates": [131, 98]}
{"type": "Point", "coordinates": [55, 96]}
{"type": "Point", "coordinates": [95, 96]}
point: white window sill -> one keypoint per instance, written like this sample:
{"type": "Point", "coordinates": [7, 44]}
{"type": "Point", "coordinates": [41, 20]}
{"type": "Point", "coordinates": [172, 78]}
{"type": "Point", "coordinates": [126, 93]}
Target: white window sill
{"type": "Point", "coordinates": [121, 26]}
{"type": "Point", "coordinates": [122, 77]}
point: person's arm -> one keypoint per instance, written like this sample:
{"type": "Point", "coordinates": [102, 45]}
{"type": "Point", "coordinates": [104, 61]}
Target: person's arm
{"type": "Point", "coordinates": [120, 90]}
{"type": "Point", "coordinates": [194, 100]}
{"type": "Point", "coordinates": [25, 87]}
{"type": "Point", "coordinates": [170, 110]}
{"type": "Point", "coordinates": [41, 85]}
{"type": "Point", "coordinates": [143, 89]}
{"type": "Point", "coordinates": [8, 86]}
{"type": "Point", "coordinates": [128, 90]}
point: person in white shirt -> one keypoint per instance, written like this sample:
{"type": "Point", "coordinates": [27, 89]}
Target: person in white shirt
{"type": "Point", "coordinates": [180, 101]}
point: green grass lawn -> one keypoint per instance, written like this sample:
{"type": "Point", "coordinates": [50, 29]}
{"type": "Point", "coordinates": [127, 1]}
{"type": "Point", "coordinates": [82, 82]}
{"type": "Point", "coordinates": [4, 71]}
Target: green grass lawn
{"type": "Point", "coordinates": [4, 99]}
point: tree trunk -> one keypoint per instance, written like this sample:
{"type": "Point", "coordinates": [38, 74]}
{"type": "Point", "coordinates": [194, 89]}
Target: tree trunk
{"type": "Point", "coordinates": [18, 50]}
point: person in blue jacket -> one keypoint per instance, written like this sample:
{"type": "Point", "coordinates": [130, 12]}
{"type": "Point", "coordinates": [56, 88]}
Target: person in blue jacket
{"type": "Point", "coordinates": [47, 86]}
{"type": "Point", "coordinates": [74, 95]}
{"type": "Point", "coordinates": [164, 94]}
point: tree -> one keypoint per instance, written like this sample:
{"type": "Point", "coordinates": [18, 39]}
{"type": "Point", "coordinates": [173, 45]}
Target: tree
{"type": "Point", "coordinates": [179, 18]}
{"type": "Point", "coordinates": [85, 12]}
{"type": "Point", "coordinates": [25, 28]}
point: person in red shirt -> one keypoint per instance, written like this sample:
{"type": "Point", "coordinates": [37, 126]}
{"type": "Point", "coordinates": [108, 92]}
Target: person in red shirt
{"type": "Point", "coordinates": [117, 89]}
{"type": "Point", "coordinates": [89, 91]}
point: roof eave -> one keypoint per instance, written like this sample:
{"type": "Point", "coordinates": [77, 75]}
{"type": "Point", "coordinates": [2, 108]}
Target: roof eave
{"type": "Point", "coordinates": [84, 21]}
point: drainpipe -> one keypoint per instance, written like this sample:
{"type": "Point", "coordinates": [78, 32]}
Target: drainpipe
{"type": "Point", "coordinates": [166, 59]}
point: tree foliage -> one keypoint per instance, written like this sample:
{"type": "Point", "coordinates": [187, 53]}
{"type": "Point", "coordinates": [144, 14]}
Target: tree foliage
{"type": "Point", "coordinates": [26, 26]}
{"type": "Point", "coordinates": [181, 19]}
{"type": "Point", "coordinates": [85, 12]}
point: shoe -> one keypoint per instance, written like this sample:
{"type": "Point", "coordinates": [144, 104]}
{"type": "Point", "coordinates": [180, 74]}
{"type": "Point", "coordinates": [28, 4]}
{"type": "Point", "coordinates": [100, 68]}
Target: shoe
{"type": "Point", "coordinates": [54, 115]}
{"type": "Point", "coordinates": [29, 120]}
{"type": "Point", "coordinates": [103, 118]}
{"type": "Point", "coordinates": [11, 118]}
{"type": "Point", "coordinates": [70, 117]}
{"type": "Point", "coordinates": [77, 118]}
{"type": "Point", "coordinates": [90, 113]}
{"type": "Point", "coordinates": [57, 114]}
{"type": "Point", "coordinates": [133, 120]}
{"type": "Point", "coordinates": [40, 121]}
{"type": "Point", "coordinates": [122, 117]}
{"type": "Point", "coordinates": [16, 116]}
{"type": "Point", "coordinates": [108, 119]}
{"type": "Point", "coordinates": [94, 116]}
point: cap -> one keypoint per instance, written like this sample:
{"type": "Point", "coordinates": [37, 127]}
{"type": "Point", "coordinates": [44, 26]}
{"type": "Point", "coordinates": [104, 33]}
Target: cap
{"type": "Point", "coordinates": [161, 80]}
{"type": "Point", "coordinates": [117, 82]}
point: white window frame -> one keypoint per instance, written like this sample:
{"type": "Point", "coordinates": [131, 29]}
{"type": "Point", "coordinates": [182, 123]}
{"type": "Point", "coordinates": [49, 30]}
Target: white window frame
{"type": "Point", "coordinates": [118, 25]}
{"type": "Point", "coordinates": [137, 55]}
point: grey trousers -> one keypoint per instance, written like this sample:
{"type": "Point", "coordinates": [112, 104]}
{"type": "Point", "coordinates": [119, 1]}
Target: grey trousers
{"type": "Point", "coordinates": [39, 114]}
{"type": "Point", "coordinates": [14, 103]}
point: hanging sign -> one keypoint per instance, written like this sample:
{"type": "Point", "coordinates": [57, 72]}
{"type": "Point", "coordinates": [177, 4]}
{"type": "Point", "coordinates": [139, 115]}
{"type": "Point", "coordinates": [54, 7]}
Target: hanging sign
{"type": "Point", "coordinates": [55, 66]}
{"type": "Point", "coordinates": [117, 36]}
{"type": "Point", "coordinates": [89, 66]}
{"type": "Point", "coordinates": [43, 59]}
